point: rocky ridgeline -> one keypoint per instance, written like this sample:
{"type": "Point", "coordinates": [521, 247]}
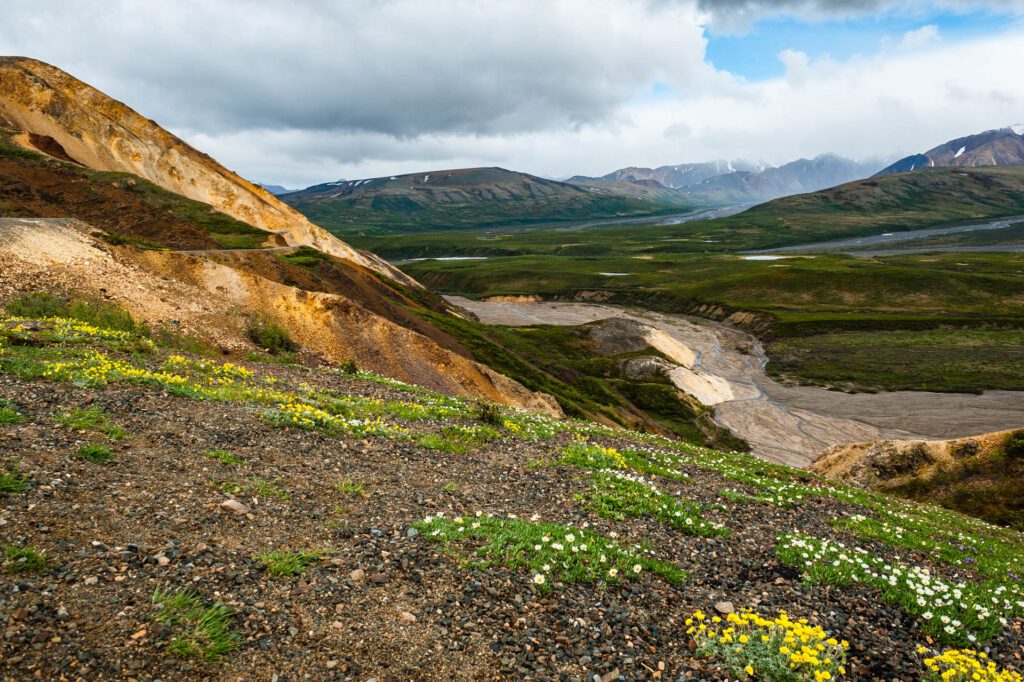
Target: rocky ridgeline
{"type": "Point", "coordinates": [171, 516]}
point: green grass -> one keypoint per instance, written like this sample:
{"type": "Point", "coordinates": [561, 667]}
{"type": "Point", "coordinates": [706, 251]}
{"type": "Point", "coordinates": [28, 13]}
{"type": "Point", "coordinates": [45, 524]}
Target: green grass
{"type": "Point", "coordinates": [618, 496]}
{"type": "Point", "coordinates": [9, 416]}
{"type": "Point", "coordinates": [225, 457]}
{"type": "Point", "coordinates": [91, 419]}
{"type": "Point", "coordinates": [23, 560]}
{"type": "Point", "coordinates": [351, 487]}
{"type": "Point", "coordinates": [39, 305]}
{"type": "Point", "coordinates": [11, 482]}
{"type": "Point", "coordinates": [208, 633]}
{"type": "Point", "coordinates": [94, 452]}
{"type": "Point", "coordinates": [271, 337]}
{"type": "Point", "coordinates": [306, 257]}
{"type": "Point", "coordinates": [959, 360]}
{"type": "Point", "coordinates": [222, 228]}
{"type": "Point", "coordinates": [283, 562]}
{"type": "Point", "coordinates": [552, 553]}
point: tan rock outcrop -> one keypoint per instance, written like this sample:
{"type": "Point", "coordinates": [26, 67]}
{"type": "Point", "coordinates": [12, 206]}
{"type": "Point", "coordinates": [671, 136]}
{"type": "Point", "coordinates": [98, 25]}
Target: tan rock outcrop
{"type": "Point", "coordinates": [101, 133]}
{"type": "Point", "coordinates": [889, 463]}
{"type": "Point", "coordinates": [213, 301]}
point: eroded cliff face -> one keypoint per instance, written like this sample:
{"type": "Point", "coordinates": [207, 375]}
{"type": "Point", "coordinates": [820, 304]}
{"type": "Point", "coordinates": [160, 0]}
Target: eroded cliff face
{"type": "Point", "coordinates": [69, 119]}
{"type": "Point", "coordinates": [214, 301]}
{"type": "Point", "coordinates": [884, 464]}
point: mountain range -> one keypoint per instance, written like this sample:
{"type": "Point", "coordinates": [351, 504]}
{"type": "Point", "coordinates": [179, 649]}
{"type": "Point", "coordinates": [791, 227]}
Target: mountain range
{"type": "Point", "coordinates": [1000, 147]}
{"type": "Point", "coordinates": [741, 182]}
{"type": "Point", "coordinates": [471, 198]}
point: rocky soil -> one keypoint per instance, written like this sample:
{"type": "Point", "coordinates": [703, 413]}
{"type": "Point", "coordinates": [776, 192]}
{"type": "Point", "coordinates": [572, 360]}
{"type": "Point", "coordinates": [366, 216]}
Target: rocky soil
{"type": "Point", "coordinates": [382, 603]}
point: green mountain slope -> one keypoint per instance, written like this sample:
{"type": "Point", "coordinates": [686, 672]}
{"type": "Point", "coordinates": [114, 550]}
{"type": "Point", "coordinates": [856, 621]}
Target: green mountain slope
{"type": "Point", "coordinates": [467, 198]}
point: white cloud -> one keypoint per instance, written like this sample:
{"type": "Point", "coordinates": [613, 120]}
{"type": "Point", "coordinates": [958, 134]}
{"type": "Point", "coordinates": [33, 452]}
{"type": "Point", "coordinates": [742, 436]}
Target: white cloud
{"type": "Point", "coordinates": [302, 93]}
{"type": "Point", "coordinates": [926, 35]}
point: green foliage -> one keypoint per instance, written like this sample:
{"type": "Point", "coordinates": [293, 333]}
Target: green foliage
{"type": "Point", "coordinates": [779, 650]}
{"type": "Point", "coordinates": [40, 305]}
{"type": "Point", "coordinates": [225, 457]}
{"type": "Point", "coordinates": [306, 257]}
{"type": "Point", "coordinates": [349, 367]}
{"type": "Point", "coordinates": [94, 452]}
{"type": "Point", "coordinates": [9, 416]}
{"type": "Point", "coordinates": [351, 487]}
{"type": "Point", "coordinates": [91, 419]}
{"type": "Point", "coordinates": [11, 482]}
{"type": "Point", "coordinates": [23, 560]}
{"type": "Point", "coordinates": [490, 414]}
{"type": "Point", "coordinates": [551, 552]}
{"type": "Point", "coordinates": [222, 228]}
{"type": "Point", "coordinates": [283, 562]}
{"type": "Point", "coordinates": [208, 630]}
{"type": "Point", "coordinates": [271, 336]}
{"type": "Point", "coordinates": [617, 496]}
{"type": "Point", "coordinates": [955, 360]}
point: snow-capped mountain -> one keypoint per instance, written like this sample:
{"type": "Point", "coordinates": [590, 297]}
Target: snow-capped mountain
{"type": "Point", "coordinates": [1001, 147]}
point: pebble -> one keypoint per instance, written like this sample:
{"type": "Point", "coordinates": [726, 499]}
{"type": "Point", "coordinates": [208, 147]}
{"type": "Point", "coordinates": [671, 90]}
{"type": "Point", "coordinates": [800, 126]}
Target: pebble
{"type": "Point", "coordinates": [725, 607]}
{"type": "Point", "coordinates": [234, 506]}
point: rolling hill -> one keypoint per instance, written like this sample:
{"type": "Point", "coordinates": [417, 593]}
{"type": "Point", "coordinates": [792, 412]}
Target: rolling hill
{"type": "Point", "coordinates": [469, 198]}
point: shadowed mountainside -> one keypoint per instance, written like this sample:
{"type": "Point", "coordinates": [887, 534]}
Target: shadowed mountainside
{"type": "Point", "coordinates": [468, 198]}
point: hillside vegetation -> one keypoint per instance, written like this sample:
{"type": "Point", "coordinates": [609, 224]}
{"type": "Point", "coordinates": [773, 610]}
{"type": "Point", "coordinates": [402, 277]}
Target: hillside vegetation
{"type": "Point", "coordinates": [465, 199]}
{"type": "Point", "coordinates": [348, 526]}
{"type": "Point", "coordinates": [694, 268]}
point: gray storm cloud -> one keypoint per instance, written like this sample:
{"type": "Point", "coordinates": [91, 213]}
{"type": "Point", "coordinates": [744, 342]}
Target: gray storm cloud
{"type": "Point", "coordinates": [400, 67]}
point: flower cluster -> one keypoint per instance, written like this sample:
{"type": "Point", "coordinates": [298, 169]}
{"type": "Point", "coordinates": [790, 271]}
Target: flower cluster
{"type": "Point", "coordinates": [956, 665]}
{"type": "Point", "coordinates": [551, 552]}
{"type": "Point", "coordinates": [958, 612]}
{"type": "Point", "coordinates": [776, 649]}
{"type": "Point", "coordinates": [295, 413]}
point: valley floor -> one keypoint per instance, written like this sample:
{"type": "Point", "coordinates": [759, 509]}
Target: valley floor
{"type": "Point", "coordinates": [787, 424]}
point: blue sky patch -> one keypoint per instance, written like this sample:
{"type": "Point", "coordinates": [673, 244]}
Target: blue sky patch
{"type": "Point", "coordinates": [755, 55]}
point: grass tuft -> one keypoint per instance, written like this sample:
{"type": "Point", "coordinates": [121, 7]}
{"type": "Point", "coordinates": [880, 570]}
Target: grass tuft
{"type": "Point", "coordinates": [350, 487]}
{"type": "Point", "coordinates": [225, 457]}
{"type": "Point", "coordinates": [94, 452]}
{"type": "Point", "coordinates": [9, 416]}
{"type": "Point", "coordinates": [283, 562]}
{"type": "Point", "coordinates": [23, 560]}
{"type": "Point", "coordinates": [208, 636]}
{"type": "Point", "coordinates": [92, 419]}
{"type": "Point", "coordinates": [11, 482]}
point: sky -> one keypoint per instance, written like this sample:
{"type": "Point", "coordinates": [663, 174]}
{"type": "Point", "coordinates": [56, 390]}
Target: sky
{"type": "Point", "coordinates": [311, 91]}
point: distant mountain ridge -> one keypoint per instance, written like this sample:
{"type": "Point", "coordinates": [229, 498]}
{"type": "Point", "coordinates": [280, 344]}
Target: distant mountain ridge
{"type": "Point", "coordinates": [471, 198]}
{"type": "Point", "coordinates": [743, 182]}
{"type": "Point", "coordinates": [999, 147]}
{"type": "Point", "coordinates": [680, 175]}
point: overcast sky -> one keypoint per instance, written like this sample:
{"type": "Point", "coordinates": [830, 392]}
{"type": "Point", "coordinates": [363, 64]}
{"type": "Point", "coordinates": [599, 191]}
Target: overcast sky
{"type": "Point", "coordinates": [297, 93]}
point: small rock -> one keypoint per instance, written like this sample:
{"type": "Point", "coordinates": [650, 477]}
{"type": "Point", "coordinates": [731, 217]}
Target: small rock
{"type": "Point", "coordinates": [163, 561]}
{"type": "Point", "coordinates": [378, 578]}
{"type": "Point", "coordinates": [411, 533]}
{"type": "Point", "coordinates": [613, 675]}
{"type": "Point", "coordinates": [234, 506]}
{"type": "Point", "coordinates": [357, 575]}
{"type": "Point", "coordinates": [406, 617]}
{"type": "Point", "coordinates": [91, 580]}
{"type": "Point", "coordinates": [725, 607]}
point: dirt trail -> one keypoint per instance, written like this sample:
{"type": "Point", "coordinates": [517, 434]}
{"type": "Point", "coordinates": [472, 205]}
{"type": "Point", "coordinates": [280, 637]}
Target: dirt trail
{"type": "Point", "coordinates": [787, 424]}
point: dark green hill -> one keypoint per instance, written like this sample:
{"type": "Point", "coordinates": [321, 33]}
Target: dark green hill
{"type": "Point", "coordinates": [467, 198]}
